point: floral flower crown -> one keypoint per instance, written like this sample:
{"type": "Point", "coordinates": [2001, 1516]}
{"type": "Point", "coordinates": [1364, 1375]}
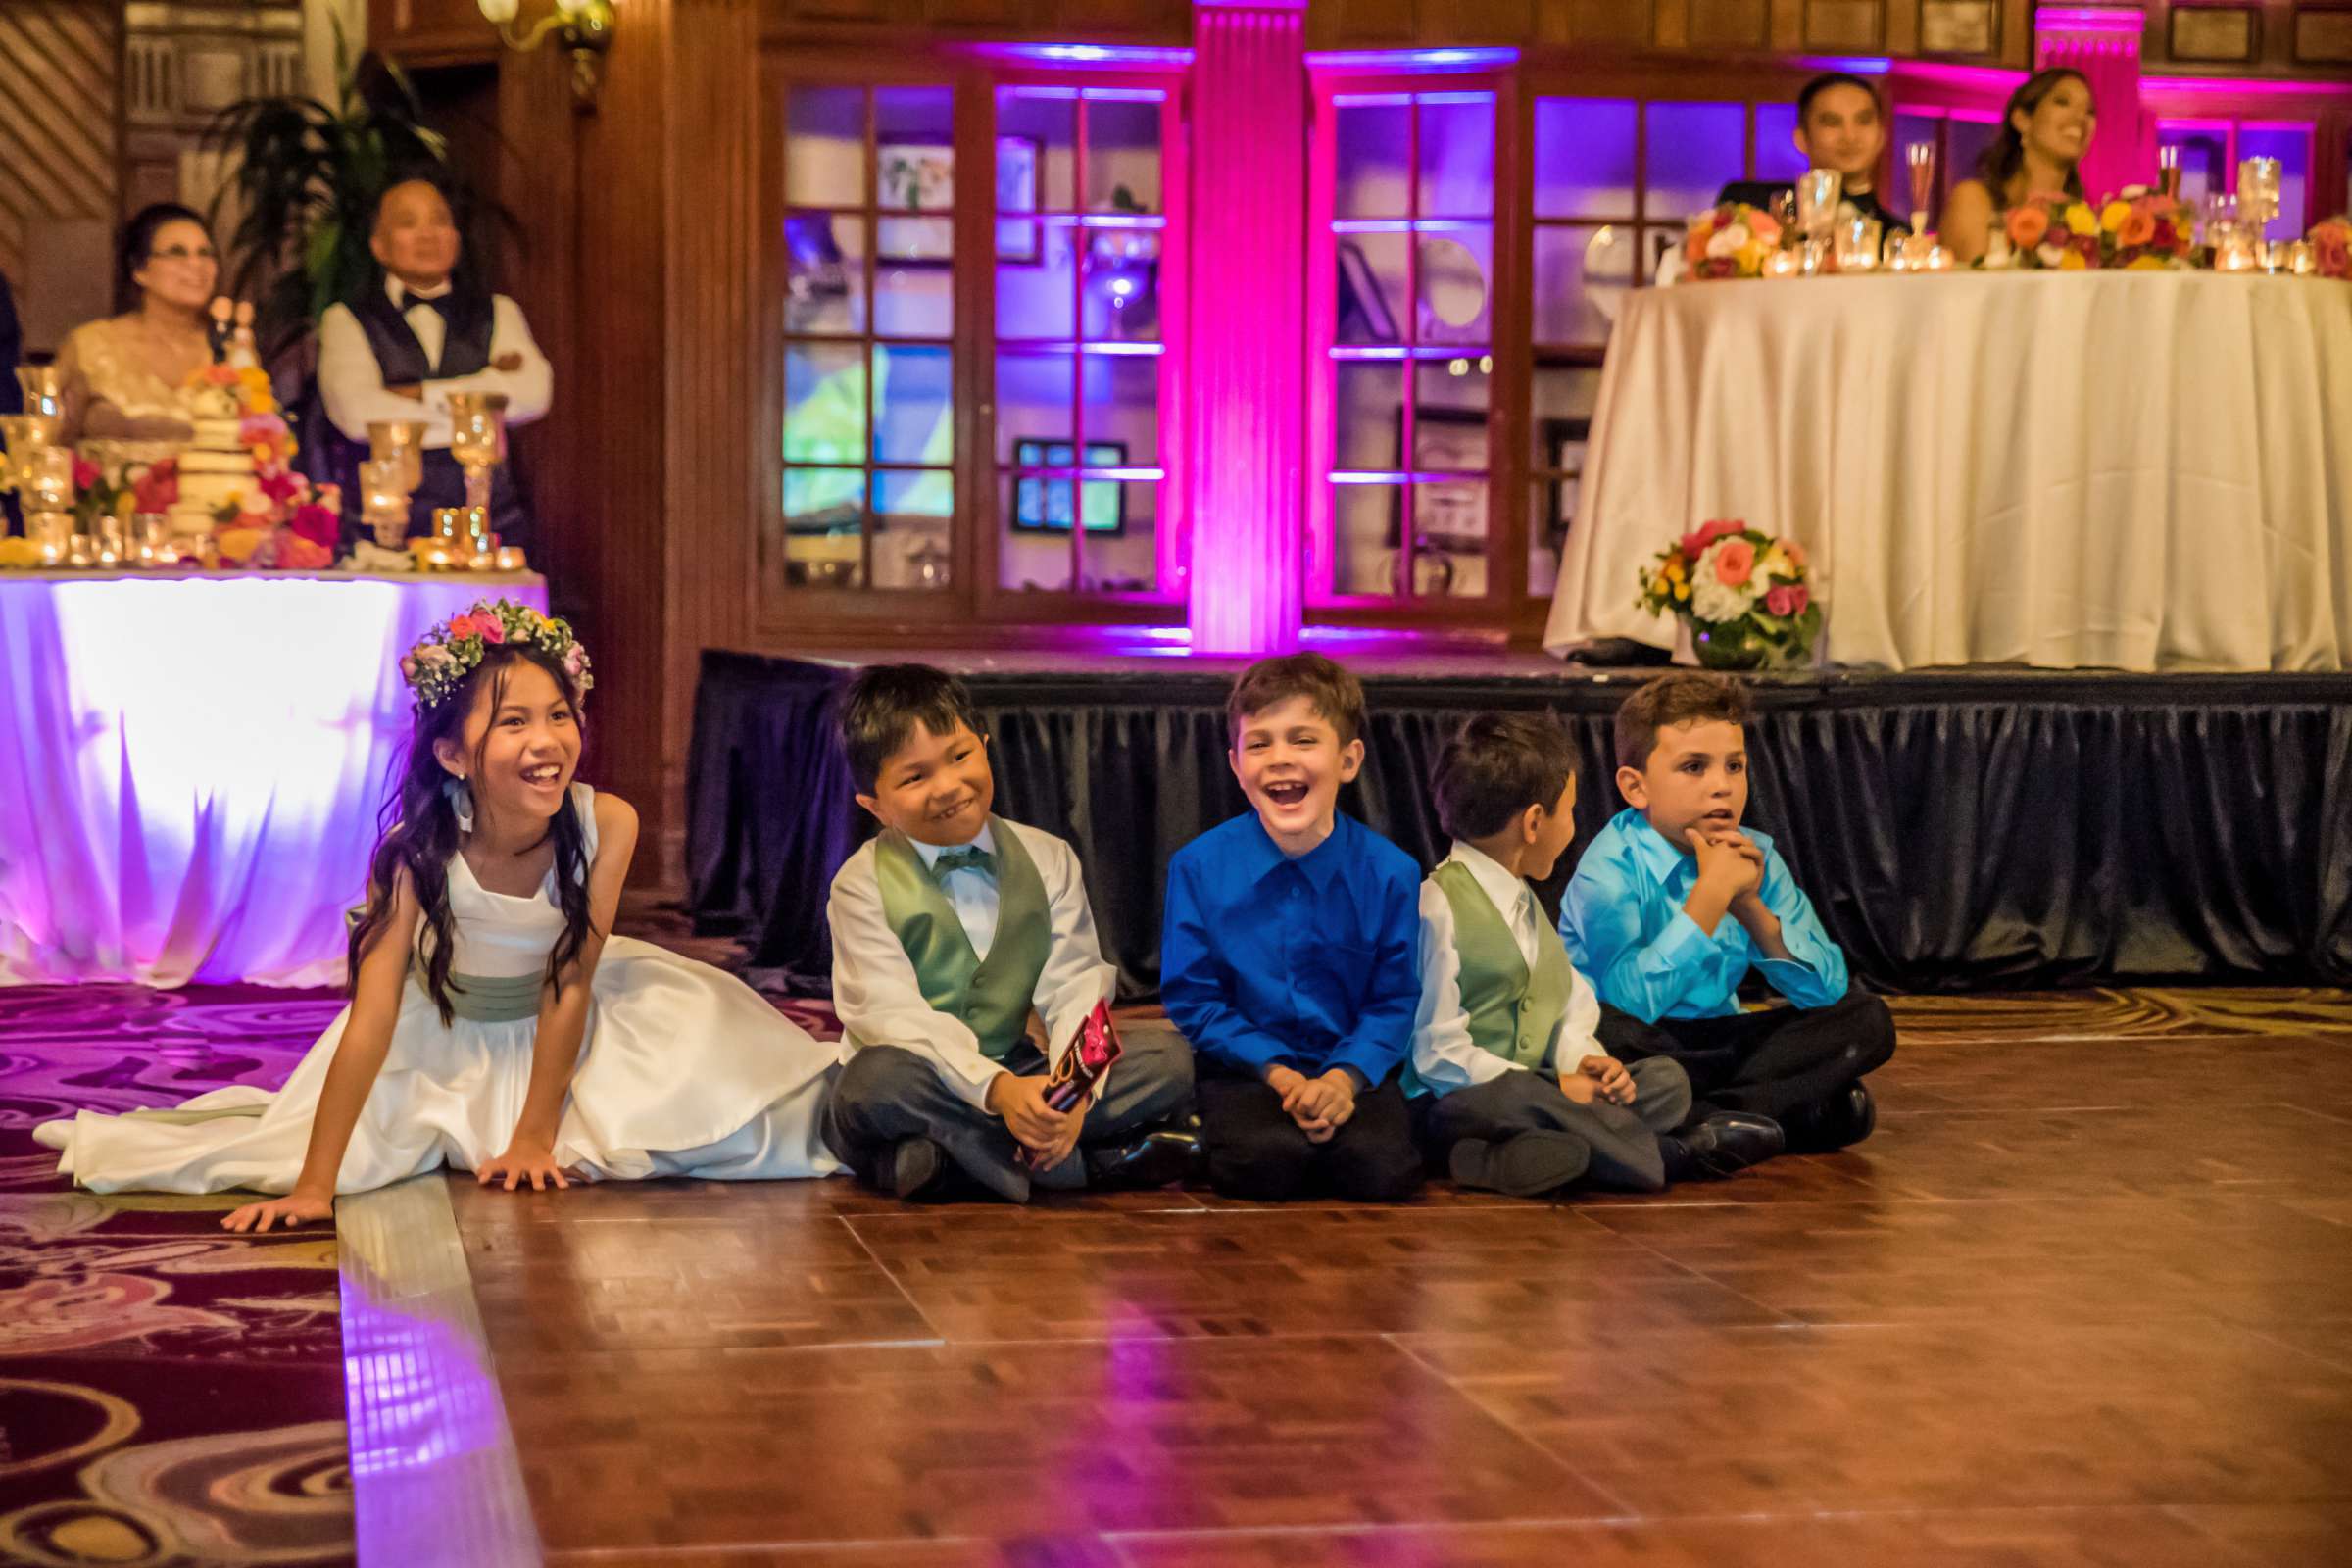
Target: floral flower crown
{"type": "Point", "coordinates": [445, 656]}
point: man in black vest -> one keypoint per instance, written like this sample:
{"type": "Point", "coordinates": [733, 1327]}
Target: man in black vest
{"type": "Point", "coordinates": [1841, 125]}
{"type": "Point", "coordinates": [422, 332]}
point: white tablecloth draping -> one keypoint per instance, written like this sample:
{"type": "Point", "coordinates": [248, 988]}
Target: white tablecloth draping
{"type": "Point", "coordinates": [2132, 470]}
{"type": "Point", "coordinates": [191, 768]}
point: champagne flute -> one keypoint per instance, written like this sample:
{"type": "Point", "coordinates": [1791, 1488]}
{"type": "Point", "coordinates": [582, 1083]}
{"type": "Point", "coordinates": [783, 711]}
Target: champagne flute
{"type": "Point", "coordinates": [1817, 192]}
{"type": "Point", "coordinates": [1919, 159]}
{"type": "Point", "coordinates": [2168, 172]}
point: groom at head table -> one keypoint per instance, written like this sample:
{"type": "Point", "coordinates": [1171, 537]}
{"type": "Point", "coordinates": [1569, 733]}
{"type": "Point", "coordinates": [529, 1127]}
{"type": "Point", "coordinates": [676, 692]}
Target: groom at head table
{"type": "Point", "coordinates": [1841, 125]}
{"type": "Point", "coordinates": [424, 330]}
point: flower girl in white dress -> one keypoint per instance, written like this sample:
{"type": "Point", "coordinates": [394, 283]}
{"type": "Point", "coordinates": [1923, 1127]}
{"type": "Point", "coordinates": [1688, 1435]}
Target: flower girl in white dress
{"type": "Point", "coordinates": [494, 1025]}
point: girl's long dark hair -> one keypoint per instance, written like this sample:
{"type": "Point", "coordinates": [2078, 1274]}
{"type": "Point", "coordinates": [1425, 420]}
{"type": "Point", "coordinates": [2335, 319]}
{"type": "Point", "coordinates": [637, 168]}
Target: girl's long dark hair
{"type": "Point", "coordinates": [421, 835]}
{"type": "Point", "coordinates": [1997, 165]}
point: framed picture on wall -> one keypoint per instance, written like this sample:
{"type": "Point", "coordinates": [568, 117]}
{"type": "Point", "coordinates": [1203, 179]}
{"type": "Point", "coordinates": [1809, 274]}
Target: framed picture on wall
{"type": "Point", "coordinates": [1043, 505]}
{"type": "Point", "coordinates": [914, 175]}
{"type": "Point", "coordinates": [1564, 455]}
{"type": "Point", "coordinates": [1448, 514]}
{"type": "Point", "coordinates": [917, 176]}
{"type": "Point", "coordinates": [1019, 240]}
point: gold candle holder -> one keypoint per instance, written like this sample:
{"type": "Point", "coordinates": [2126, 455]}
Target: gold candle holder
{"type": "Point", "coordinates": [52, 533]}
{"type": "Point", "coordinates": [401, 439]}
{"type": "Point", "coordinates": [44, 389]}
{"type": "Point", "coordinates": [478, 439]}
{"type": "Point", "coordinates": [385, 491]}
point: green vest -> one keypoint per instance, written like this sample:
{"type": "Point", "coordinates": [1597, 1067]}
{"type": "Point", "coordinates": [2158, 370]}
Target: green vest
{"type": "Point", "coordinates": [1512, 1013]}
{"type": "Point", "coordinates": [992, 996]}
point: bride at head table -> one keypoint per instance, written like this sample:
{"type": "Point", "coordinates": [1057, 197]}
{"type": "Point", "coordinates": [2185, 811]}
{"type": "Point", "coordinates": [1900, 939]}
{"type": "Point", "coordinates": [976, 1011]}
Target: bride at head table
{"type": "Point", "coordinates": [122, 374]}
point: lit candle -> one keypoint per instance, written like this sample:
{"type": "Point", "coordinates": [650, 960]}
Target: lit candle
{"type": "Point", "coordinates": [510, 558]}
{"type": "Point", "coordinates": [2301, 259]}
{"type": "Point", "coordinates": [1782, 263]}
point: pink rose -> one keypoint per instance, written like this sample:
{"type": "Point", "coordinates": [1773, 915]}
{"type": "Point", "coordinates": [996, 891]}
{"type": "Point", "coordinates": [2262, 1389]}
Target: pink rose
{"type": "Point", "coordinates": [1794, 552]}
{"type": "Point", "coordinates": [491, 628]}
{"type": "Point", "coordinates": [407, 666]}
{"type": "Point", "coordinates": [1735, 562]}
{"type": "Point", "coordinates": [279, 483]}
{"type": "Point", "coordinates": [1788, 599]}
{"type": "Point", "coordinates": [1692, 544]}
{"type": "Point", "coordinates": [1709, 532]}
{"type": "Point", "coordinates": [2026, 225]}
{"type": "Point", "coordinates": [1764, 227]}
{"type": "Point", "coordinates": [318, 525]}
{"type": "Point", "coordinates": [85, 474]}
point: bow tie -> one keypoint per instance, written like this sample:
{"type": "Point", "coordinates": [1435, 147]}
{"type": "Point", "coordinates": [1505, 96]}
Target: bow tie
{"type": "Point", "coordinates": [969, 857]}
{"type": "Point", "coordinates": [439, 303]}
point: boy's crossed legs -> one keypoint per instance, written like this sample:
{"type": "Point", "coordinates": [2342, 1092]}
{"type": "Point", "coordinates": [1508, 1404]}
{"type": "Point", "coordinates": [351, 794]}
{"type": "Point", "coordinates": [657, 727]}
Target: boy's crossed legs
{"type": "Point", "coordinates": [886, 1096]}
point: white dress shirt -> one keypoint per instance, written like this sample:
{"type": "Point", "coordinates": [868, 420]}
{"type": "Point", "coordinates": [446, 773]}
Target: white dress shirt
{"type": "Point", "coordinates": [880, 998]}
{"type": "Point", "coordinates": [353, 385]}
{"type": "Point", "coordinates": [1443, 1054]}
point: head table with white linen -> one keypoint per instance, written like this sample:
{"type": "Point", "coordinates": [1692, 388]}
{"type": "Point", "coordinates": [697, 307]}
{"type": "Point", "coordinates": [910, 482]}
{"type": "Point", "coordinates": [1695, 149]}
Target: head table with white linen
{"type": "Point", "coordinates": [2103, 469]}
{"type": "Point", "coordinates": [191, 768]}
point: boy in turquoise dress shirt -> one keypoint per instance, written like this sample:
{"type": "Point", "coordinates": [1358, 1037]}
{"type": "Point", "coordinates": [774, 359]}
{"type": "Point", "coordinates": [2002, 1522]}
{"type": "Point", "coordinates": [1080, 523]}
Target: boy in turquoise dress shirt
{"type": "Point", "coordinates": [1287, 954]}
{"type": "Point", "coordinates": [1513, 1090]}
{"type": "Point", "coordinates": [1672, 905]}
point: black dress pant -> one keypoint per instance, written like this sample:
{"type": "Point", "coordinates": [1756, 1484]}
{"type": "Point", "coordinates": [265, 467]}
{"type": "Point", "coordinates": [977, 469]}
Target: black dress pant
{"type": "Point", "coordinates": [1255, 1150]}
{"type": "Point", "coordinates": [1773, 1063]}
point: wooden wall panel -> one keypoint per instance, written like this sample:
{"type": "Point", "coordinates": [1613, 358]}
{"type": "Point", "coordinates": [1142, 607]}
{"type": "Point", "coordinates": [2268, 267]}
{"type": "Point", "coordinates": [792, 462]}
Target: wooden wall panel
{"type": "Point", "coordinates": [2323, 38]}
{"type": "Point", "coordinates": [61, 159]}
{"type": "Point", "coordinates": [446, 30]}
{"type": "Point", "coordinates": [2201, 33]}
{"type": "Point", "coordinates": [715, 255]}
{"type": "Point", "coordinates": [1727, 25]}
{"type": "Point", "coordinates": [1847, 26]}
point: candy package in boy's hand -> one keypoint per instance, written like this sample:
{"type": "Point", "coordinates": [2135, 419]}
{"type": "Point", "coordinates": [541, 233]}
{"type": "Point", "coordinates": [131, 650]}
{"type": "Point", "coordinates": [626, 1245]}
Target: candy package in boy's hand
{"type": "Point", "coordinates": [1083, 1065]}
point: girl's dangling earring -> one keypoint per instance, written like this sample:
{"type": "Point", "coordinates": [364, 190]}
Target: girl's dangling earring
{"type": "Point", "coordinates": [461, 803]}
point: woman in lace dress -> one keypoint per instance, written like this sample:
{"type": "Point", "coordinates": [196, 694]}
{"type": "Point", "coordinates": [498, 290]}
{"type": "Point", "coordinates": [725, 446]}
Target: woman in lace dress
{"type": "Point", "coordinates": [123, 373]}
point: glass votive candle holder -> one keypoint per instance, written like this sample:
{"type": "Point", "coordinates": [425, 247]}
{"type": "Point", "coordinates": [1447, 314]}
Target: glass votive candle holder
{"type": "Point", "coordinates": [51, 533]}
{"type": "Point", "coordinates": [1782, 263]}
{"type": "Point", "coordinates": [2301, 259]}
{"type": "Point", "coordinates": [48, 478]}
{"type": "Point", "coordinates": [510, 558]}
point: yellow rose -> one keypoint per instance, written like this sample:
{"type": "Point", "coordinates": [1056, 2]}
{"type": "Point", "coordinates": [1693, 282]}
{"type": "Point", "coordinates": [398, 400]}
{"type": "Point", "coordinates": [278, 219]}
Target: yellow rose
{"type": "Point", "coordinates": [2112, 216]}
{"type": "Point", "coordinates": [124, 505]}
{"type": "Point", "coordinates": [2071, 262]}
{"type": "Point", "coordinates": [19, 553]}
{"type": "Point", "coordinates": [2148, 263]}
{"type": "Point", "coordinates": [2080, 219]}
{"type": "Point", "coordinates": [1681, 590]}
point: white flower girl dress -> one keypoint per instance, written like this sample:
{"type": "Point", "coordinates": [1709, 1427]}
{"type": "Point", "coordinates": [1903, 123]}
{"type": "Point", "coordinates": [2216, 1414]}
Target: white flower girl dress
{"type": "Point", "coordinates": [683, 1071]}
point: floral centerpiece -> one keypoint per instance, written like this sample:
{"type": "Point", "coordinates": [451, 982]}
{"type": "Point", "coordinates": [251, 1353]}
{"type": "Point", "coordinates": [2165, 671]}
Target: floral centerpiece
{"type": "Point", "coordinates": [2143, 230]}
{"type": "Point", "coordinates": [2331, 248]}
{"type": "Point", "coordinates": [264, 514]}
{"type": "Point", "coordinates": [1735, 240]}
{"type": "Point", "coordinates": [2052, 231]}
{"type": "Point", "coordinates": [1744, 593]}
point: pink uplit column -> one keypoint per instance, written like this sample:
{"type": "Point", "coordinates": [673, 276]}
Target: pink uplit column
{"type": "Point", "coordinates": [1246, 355]}
{"type": "Point", "coordinates": [2103, 44]}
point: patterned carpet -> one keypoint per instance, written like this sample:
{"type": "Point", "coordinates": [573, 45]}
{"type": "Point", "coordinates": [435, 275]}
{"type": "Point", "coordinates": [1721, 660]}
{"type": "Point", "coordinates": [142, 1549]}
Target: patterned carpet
{"type": "Point", "coordinates": [171, 1395]}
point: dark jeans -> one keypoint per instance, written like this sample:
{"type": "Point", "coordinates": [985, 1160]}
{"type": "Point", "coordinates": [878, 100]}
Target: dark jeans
{"type": "Point", "coordinates": [886, 1094]}
{"type": "Point", "coordinates": [1623, 1139]}
{"type": "Point", "coordinates": [1773, 1063]}
{"type": "Point", "coordinates": [1255, 1150]}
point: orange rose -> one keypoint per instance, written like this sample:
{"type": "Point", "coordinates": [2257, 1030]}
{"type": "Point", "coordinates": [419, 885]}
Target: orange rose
{"type": "Point", "coordinates": [2026, 225]}
{"type": "Point", "coordinates": [2140, 228]}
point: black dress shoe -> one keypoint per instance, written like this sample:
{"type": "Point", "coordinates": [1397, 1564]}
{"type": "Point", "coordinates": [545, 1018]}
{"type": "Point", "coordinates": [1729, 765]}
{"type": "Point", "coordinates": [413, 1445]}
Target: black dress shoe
{"type": "Point", "coordinates": [912, 1169]}
{"type": "Point", "coordinates": [1832, 1121]}
{"type": "Point", "coordinates": [1524, 1165]}
{"type": "Point", "coordinates": [1726, 1143]}
{"type": "Point", "coordinates": [1159, 1157]}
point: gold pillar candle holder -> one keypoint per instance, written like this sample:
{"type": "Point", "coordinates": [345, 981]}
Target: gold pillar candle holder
{"type": "Point", "coordinates": [385, 491]}
{"type": "Point", "coordinates": [401, 439]}
{"type": "Point", "coordinates": [44, 389]}
{"type": "Point", "coordinates": [52, 533]}
{"type": "Point", "coordinates": [478, 439]}
{"type": "Point", "coordinates": [46, 476]}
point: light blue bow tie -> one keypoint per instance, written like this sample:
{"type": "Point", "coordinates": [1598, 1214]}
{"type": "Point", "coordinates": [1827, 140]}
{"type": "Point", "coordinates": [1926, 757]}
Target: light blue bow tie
{"type": "Point", "coordinates": [969, 857]}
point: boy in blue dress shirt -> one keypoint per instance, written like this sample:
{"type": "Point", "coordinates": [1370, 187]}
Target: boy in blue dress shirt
{"type": "Point", "coordinates": [1289, 954]}
{"type": "Point", "coordinates": [1672, 905]}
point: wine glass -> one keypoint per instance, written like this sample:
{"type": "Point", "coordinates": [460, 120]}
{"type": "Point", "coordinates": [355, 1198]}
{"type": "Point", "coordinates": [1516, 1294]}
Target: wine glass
{"type": "Point", "coordinates": [1817, 191]}
{"type": "Point", "coordinates": [402, 439]}
{"type": "Point", "coordinates": [2258, 191]}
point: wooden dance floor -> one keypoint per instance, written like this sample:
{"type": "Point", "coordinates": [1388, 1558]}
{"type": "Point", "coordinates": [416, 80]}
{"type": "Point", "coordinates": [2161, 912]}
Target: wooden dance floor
{"type": "Point", "coordinates": [2084, 1298]}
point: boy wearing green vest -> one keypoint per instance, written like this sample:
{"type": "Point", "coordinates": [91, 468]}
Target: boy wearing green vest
{"type": "Point", "coordinates": [949, 928]}
{"type": "Point", "coordinates": [1513, 1093]}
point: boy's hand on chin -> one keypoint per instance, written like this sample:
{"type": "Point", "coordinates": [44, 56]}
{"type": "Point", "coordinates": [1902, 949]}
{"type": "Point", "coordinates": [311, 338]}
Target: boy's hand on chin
{"type": "Point", "coordinates": [1729, 860]}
